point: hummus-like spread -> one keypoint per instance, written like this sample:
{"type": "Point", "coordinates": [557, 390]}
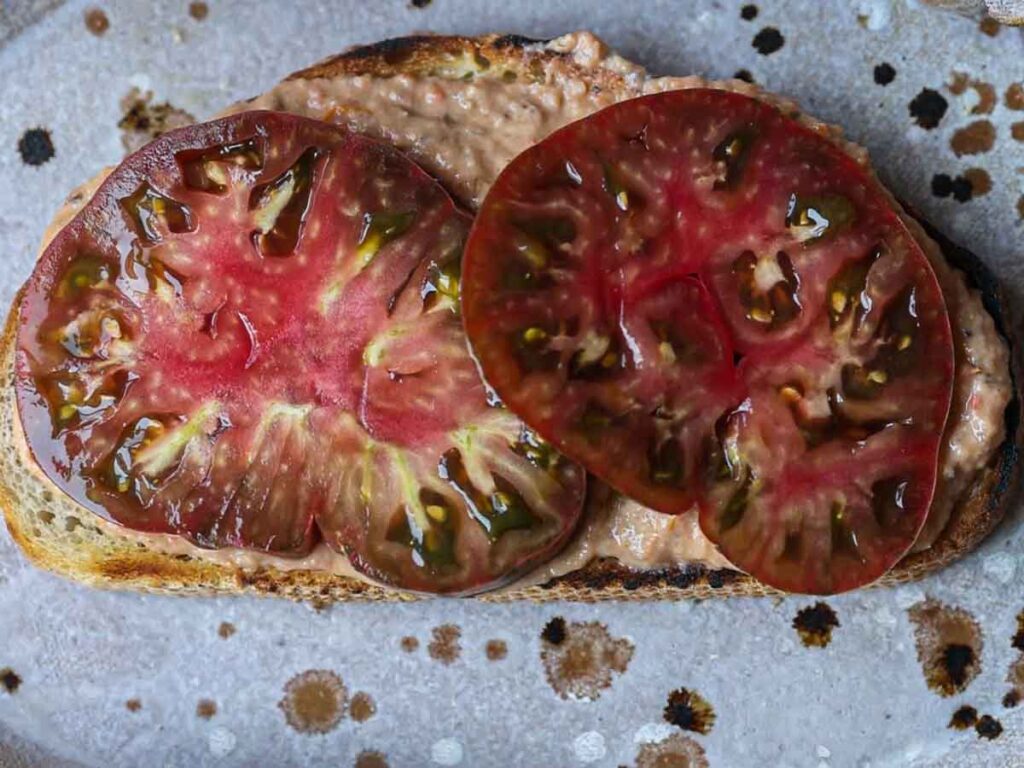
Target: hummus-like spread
{"type": "Point", "coordinates": [465, 131]}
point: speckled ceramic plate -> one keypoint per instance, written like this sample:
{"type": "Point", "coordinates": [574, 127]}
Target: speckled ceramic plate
{"type": "Point", "coordinates": [880, 678]}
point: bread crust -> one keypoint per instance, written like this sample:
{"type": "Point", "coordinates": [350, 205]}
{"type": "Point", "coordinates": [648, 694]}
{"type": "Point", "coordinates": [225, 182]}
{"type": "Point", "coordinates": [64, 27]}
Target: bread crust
{"type": "Point", "coordinates": [93, 551]}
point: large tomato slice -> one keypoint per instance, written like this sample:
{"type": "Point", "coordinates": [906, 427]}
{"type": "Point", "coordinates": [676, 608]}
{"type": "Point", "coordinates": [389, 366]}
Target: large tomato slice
{"type": "Point", "coordinates": [703, 301]}
{"type": "Point", "coordinates": [252, 332]}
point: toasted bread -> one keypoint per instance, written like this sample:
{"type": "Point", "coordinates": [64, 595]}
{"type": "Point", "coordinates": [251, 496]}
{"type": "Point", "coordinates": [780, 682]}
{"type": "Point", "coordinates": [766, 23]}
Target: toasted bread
{"type": "Point", "coordinates": [58, 534]}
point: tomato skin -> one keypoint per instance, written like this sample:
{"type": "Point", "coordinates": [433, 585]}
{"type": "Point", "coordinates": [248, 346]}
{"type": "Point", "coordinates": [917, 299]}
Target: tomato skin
{"type": "Point", "coordinates": [250, 338]}
{"type": "Point", "coordinates": [795, 332]}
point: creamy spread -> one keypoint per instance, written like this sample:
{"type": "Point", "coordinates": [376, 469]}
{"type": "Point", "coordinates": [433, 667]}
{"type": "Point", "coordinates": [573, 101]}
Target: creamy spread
{"type": "Point", "coordinates": [465, 131]}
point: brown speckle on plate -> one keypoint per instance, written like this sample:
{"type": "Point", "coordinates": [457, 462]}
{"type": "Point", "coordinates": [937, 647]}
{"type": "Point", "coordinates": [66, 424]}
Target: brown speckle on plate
{"type": "Point", "coordinates": [314, 701]}
{"type": "Point", "coordinates": [1011, 699]}
{"type": "Point", "coordinates": [986, 93]}
{"type": "Point", "coordinates": [96, 21]}
{"type": "Point", "coordinates": [965, 717]}
{"type": "Point", "coordinates": [974, 138]}
{"type": "Point", "coordinates": [689, 710]}
{"type": "Point", "coordinates": [1017, 131]}
{"type": "Point", "coordinates": [206, 708]}
{"type": "Point", "coordinates": [198, 10]}
{"type": "Point", "coordinates": [496, 650]}
{"type": "Point", "coordinates": [989, 26]}
{"type": "Point", "coordinates": [988, 727]}
{"type": "Point", "coordinates": [949, 644]}
{"type": "Point", "coordinates": [1014, 96]}
{"type": "Point", "coordinates": [675, 751]}
{"type": "Point", "coordinates": [226, 629]}
{"type": "Point", "coordinates": [444, 644]}
{"type": "Point", "coordinates": [928, 108]}
{"type": "Point", "coordinates": [814, 624]}
{"type": "Point", "coordinates": [580, 658]}
{"type": "Point", "coordinates": [768, 41]}
{"type": "Point", "coordinates": [371, 758]}
{"type": "Point", "coordinates": [409, 644]}
{"type": "Point", "coordinates": [362, 707]}
{"type": "Point", "coordinates": [142, 120]}
{"type": "Point", "coordinates": [981, 182]}
{"type": "Point", "coordinates": [133, 705]}
{"type": "Point", "coordinates": [9, 680]}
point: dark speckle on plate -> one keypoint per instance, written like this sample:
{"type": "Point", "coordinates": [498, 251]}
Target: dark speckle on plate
{"type": "Point", "coordinates": [9, 680]}
{"type": "Point", "coordinates": [748, 12]}
{"type": "Point", "coordinates": [885, 73]}
{"type": "Point", "coordinates": [744, 75]}
{"type": "Point", "coordinates": [768, 41]}
{"type": "Point", "coordinates": [928, 108]}
{"type": "Point", "coordinates": [988, 727]}
{"type": "Point", "coordinates": [689, 710]}
{"type": "Point", "coordinates": [965, 717]}
{"type": "Point", "coordinates": [554, 631]}
{"type": "Point", "coordinates": [815, 624]}
{"type": "Point", "coordinates": [35, 146]}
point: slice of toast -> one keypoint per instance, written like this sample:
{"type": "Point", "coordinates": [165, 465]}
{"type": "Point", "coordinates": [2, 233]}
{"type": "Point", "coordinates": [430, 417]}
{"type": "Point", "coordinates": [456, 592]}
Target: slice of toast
{"type": "Point", "coordinates": [60, 535]}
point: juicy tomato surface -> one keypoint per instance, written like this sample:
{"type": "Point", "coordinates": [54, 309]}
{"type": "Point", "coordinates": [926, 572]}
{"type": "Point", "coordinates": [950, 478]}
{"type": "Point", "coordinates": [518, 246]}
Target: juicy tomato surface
{"type": "Point", "coordinates": [250, 337]}
{"type": "Point", "coordinates": [703, 301]}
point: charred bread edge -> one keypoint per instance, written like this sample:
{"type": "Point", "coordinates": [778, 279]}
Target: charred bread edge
{"type": "Point", "coordinates": [107, 561]}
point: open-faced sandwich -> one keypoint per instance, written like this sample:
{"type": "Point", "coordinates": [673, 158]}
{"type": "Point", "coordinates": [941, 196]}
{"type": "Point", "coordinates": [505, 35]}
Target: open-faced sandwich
{"type": "Point", "coordinates": [448, 315]}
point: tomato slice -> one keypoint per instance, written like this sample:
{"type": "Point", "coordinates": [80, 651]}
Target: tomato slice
{"type": "Point", "coordinates": [250, 338]}
{"type": "Point", "coordinates": [703, 301]}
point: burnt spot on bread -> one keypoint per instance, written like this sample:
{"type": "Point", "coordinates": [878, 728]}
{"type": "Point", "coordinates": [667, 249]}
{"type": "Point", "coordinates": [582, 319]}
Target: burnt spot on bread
{"type": "Point", "coordinates": [444, 643]}
{"type": "Point", "coordinates": [581, 658]}
{"type": "Point", "coordinates": [768, 41]}
{"type": "Point", "coordinates": [928, 108]}
{"type": "Point", "coordinates": [133, 705]}
{"type": "Point", "coordinates": [814, 624]}
{"type": "Point", "coordinates": [198, 10]}
{"type": "Point", "coordinates": [949, 644]}
{"type": "Point", "coordinates": [35, 146]}
{"type": "Point", "coordinates": [1014, 96]}
{"type": "Point", "coordinates": [674, 751]}
{"type": "Point", "coordinates": [516, 41]}
{"type": "Point", "coordinates": [96, 21]}
{"type": "Point", "coordinates": [965, 717]}
{"type": "Point", "coordinates": [986, 93]}
{"type": "Point", "coordinates": [748, 12]}
{"type": "Point", "coordinates": [206, 709]}
{"type": "Point", "coordinates": [496, 650]}
{"type": "Point", "coordinates": [226, 630]}
{"type": "Point", "coordinates": [884, 73]}
{"type": "Point", "coordinates": [988, 727]}
{"type": "Point", "coordinates": [9, 680]}
{"type": "Point", "coordinates": [689, 710]}
{"type": "Point", "coordinates": [371, 758]}
{"type": "Point", "coordinates": [142, 119]}
{"type": "Point", "coordinates": [409, 644]}
{"type": "Point", "coordinates": [314, 701]}
{"type": "Point", "coordinates": [975, 138]}
{"type": "Point", "coordinates": [362, 707]}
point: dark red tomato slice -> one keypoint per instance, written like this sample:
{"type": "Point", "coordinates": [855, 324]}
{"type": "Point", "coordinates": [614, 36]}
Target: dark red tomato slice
{"type": "Point", "coordinates": [250, 337]}
{"type": "Point", "coordinates": [702, 300]}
